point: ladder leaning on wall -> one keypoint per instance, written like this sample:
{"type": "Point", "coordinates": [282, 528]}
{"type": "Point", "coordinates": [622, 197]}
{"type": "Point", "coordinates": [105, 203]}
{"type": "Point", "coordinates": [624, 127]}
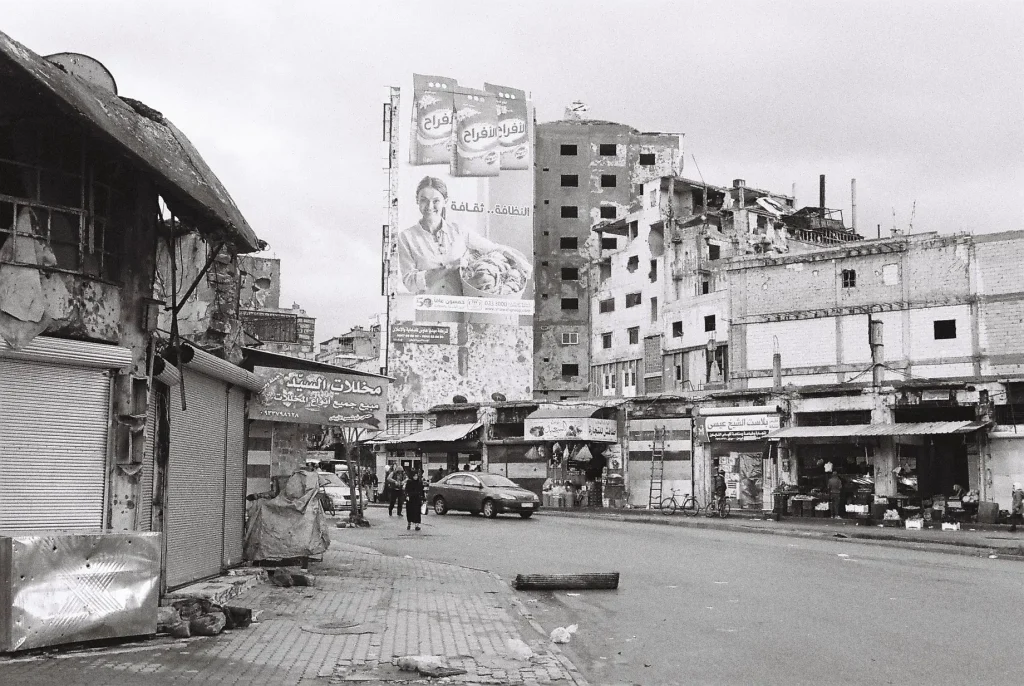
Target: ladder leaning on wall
{"type": "Point", "coordinates": [657, 468]}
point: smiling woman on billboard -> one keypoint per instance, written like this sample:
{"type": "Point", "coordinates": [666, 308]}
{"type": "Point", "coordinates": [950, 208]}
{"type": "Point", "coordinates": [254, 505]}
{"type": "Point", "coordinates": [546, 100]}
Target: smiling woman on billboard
{"type": "Point", "coordinates": [436, 256]}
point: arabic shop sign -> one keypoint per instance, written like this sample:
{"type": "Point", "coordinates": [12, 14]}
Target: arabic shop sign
{"type": "Point", "coordinates": [571, 428]}
{"type": "Point", "coordinates": [318, 398]}
{"type": "Point", "coordinates": [737, 427]}
{"type": "Point", "coordinates": [417, 333]}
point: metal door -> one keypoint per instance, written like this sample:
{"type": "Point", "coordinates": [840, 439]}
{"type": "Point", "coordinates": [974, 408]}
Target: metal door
{"type": "Point", "coordinates": [54, 421]}
{"type": "Point", "coordinates": [234, 478]}
{"type": "Point", "coordinates": [195, 481]}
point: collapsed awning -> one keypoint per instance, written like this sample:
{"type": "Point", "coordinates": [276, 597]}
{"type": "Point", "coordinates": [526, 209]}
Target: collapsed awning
{"type": "Point", "coordinates": [437, 434]}
{"type": "Point", "coordinates": [858, 430]}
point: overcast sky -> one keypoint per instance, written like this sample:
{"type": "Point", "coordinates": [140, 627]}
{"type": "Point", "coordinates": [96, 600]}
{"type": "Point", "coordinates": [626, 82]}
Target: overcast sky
{"type": "Point", "coordinates": [919, 101]}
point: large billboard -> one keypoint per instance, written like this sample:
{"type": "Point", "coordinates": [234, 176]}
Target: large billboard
{"type": "Point", "coordinates": [461, 245]}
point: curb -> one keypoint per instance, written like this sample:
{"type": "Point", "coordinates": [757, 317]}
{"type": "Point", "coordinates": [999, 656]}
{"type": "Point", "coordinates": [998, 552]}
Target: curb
{"type": "Point", "coordinates": [964, 548]}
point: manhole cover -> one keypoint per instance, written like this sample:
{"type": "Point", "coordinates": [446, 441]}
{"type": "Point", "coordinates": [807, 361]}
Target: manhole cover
{"type": "Point", "coordinates": [339, 628]}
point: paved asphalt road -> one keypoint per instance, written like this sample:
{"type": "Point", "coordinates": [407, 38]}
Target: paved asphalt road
{"type": "Point", "coordinates": [726, 607]}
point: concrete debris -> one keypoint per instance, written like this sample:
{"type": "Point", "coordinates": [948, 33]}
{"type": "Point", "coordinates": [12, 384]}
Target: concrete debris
{"type": "Point", "coordinates": [209, 624]}
{"type": "Point", "coordinates": [428, 665]}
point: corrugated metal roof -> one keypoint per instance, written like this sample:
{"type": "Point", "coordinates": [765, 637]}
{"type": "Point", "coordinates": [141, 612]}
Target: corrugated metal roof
{"type": "Point", "coordinates": [438, 434]}
{"type": "Point", "coordinates": [152, 141]}
{"type": "Point", "coordinates": [905, 429]}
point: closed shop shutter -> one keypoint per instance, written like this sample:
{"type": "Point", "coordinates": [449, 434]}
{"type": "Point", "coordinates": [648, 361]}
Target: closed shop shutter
{"type": "Point", "coordinates": [234, 493]}
{"type": "Point", "coordinates": [144, 522]}
{"type": "Point", "coordinates": [53, 445]}
{"type": "Point", "coordinates": [194, 514]}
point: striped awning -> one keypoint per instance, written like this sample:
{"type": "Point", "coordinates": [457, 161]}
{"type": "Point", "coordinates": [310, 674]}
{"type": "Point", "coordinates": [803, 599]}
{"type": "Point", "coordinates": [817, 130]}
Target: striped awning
{"type": "Point", "coordinates": [858, 430]}
{"type": "Point", "coordinates": [437, 434]}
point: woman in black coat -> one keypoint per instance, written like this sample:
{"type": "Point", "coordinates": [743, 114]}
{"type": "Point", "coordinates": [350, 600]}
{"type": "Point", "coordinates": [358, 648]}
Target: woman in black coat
{"type": "Point", "coordinates": [414, 499]}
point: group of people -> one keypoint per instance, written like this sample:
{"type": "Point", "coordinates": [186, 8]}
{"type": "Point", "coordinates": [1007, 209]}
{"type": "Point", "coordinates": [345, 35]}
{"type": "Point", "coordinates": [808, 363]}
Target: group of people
{"type": "Point", "coordinates": [407, 490]}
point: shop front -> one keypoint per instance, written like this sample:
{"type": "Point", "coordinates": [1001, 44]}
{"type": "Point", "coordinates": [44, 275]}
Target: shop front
{"type": "Point", "coordinates": [576, 447]}
{"type": "Point", "coordinates": [891, 472]}
{"type": "Point", "coordinates": [659, 460]}
{"type": "Point", "coordinates": [735, 442]}
{"type": "Point", "coordinates": [437, 451]}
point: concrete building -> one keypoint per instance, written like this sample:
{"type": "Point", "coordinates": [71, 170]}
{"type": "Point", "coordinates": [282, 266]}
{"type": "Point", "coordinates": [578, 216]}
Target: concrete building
{"type": "Point", "coordinates": [586, 171]}
{"type": "Point", "coordinates": [283, 330]}
{"type": "Point", "coordinates": [358, 349]}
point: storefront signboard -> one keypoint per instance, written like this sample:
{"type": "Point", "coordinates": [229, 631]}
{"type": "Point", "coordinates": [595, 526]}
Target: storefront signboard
{"type": "Point", "coordinates": [571, 428]}
{"type": "Point", "coordinates": [302, 397]}
{"type": "Point", "coordinates": [737, 427]}
{"type": "Point", "coordinates": [421, 334]}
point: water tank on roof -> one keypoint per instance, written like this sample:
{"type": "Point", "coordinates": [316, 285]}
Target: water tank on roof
{"type": "Point", "coordinates": [88, 69]}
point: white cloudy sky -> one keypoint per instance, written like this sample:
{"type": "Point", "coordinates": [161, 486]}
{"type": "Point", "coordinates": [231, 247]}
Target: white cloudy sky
{"type": "Point", "coordinates": [918, 100]}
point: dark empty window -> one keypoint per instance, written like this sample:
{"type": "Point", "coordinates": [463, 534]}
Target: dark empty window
{"type": "Point", "coordinates": [709, 322]}
{"type": "Point", "coordinates": [632, 264]}
{"type": "Point", "coordinates": [714, 252]}
{"type": "Point", "coordinates": [705, 287]}
{"type": "Point", "coordinates": [570, 370]}
{"type": "Point", "coordinates": [570, 274]}
{"type": "Point", "coordinates": [570, 303]}
{"type": "Point", "coordinates": [849, 278]}
{"type": "Point", "coordinates": [607, 181]}
{"type": "Point", "coordinates": [610, 243]}
{"type": "Point", "coordinates": [568, 243]}
{"type": "Point", "coordinates": [632, 299]}
{"type": "Point", "coordinates": [634, 334]}
{"type": "Point", "coordinates": [945, 329]}
{"type": "Point", "coordinates": [570, 180]}
{"type": "Point", "coordinates": [606, 341]}
{"type": "Point", "coordinates": [607, 149]}
{"type": "Point", "coordinates": [606, 305]}
{"type": "Point", "coordinates": [607, 212]}
{"type": "Point", "coordinates": [570, 212]}
{"type": "Point", "coordinates": [677, 329]}
{"type": "Point", "coordinates": [653, 274]}
{"type": "Point", "coordinates": [568, 149]}
{"type": "Point", "coordinates": [654, 309]}
{"type": "Point", "coordinates": [647, 159]}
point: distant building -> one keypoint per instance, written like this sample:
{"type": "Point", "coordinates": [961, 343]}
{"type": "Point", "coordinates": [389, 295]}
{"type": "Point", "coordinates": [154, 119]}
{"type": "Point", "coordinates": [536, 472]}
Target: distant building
{"type": "Point", "coordinates": [587, 171]}
{"type": "Point", "coordinates": [288, 331]}
{"type": "Point", "coordinates": [356, 349]}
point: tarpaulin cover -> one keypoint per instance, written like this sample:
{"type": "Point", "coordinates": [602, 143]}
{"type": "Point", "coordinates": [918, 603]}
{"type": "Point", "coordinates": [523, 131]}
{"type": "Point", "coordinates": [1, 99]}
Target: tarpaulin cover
{"type": "Point", "coordinates": [291, 524]}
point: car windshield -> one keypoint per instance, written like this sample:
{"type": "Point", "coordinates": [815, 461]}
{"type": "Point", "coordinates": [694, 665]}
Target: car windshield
{"type": "Point", "coordinates": [328, 479]}
{"type": "Point", "coordinates": [495, 481]}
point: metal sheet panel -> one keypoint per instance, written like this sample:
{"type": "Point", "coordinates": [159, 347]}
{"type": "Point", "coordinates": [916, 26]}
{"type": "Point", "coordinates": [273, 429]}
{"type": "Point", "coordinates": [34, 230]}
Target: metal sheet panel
{"type": "Point", "coordinates": [195, 481]}
{"type": "Point", "coordinates": [53, 445]}
{"type": "Point", "coordinates": [60, 587]}
{"type": "Point", "coordinates": [234, 479]}
{"type": "Point", "coordinates": [144, 517]}
{"type": "Point", "coordinates": [442, 434]}
{"type": "Point", "coordinates": [901, 429]}
{"type": "Point", "coordinates": [70, 352]}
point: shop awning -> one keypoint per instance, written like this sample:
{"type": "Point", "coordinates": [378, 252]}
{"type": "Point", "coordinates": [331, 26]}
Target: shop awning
{"type": "Point", "coordinates": [564, 411]}
{"type": "Point", "coordinates": [440, 434]}
{"type": "Point", "coordinates": [850, 430]}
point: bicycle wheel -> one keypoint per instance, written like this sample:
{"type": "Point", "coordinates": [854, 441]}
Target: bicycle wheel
{"type": "Point", "coordinates": [690, 506]}
{"type": "Point", "coordinates": [668, 506]}
{"type": "Point", "coordinates": [711, 509]}
{"type": "Point", "coordinates": [724, 509]}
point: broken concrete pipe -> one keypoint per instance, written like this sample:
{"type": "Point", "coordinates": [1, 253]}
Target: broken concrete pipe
{"type": "Point", "coordinates": [558, 582]}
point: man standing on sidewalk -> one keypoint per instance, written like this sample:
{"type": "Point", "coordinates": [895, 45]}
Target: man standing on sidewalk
{"type": "Point", "coordinates": [1017, 506]}
{"type": "Point", "coordinates": [396, 490]}
{"type": "Point", "coordinates": [835, 494]}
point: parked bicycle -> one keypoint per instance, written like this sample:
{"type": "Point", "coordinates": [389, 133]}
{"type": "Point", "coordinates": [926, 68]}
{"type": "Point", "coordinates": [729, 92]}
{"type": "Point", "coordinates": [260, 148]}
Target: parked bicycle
{"type": "Point", "coordinates": [689, 505]}
{"type": "Point", "coordinates": [718, 507]}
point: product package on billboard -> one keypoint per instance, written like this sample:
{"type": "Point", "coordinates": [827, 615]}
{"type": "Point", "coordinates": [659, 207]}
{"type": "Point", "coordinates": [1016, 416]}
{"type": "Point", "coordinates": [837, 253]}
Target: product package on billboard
{"type": "Point", "coordinates": [513, 132]}
{"type": "Point", "coordinates": [433, 110]}
{"type": "Point", "coordinates": [476, 134]}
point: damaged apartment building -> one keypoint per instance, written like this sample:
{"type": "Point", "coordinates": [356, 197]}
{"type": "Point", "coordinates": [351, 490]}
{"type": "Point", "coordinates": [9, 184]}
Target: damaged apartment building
{"type": "Point", "coordinates": [122, 405]}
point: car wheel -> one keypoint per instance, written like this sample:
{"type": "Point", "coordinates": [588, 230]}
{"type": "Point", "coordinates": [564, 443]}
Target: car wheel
{"type": "Point", "coordinates": [440, 506]}
{"type": "Point", "coordinates": [525, 515]}
{"type": "Point", "coordinates": [489, 510]}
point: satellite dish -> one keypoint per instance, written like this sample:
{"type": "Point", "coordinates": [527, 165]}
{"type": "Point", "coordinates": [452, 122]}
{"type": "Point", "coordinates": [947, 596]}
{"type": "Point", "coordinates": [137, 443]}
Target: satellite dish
{"type": "Point", "coordinates": [89, 69]}
{"type": "Point", "coordinates": [497, 397]}
{"type": "Point", "coordinates": [459, 400]}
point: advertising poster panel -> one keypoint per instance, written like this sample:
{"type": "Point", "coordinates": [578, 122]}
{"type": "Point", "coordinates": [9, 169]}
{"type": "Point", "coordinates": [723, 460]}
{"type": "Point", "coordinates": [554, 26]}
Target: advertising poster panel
{"type": "Point", "coordinates": [465, 205]}
{"type": "Point", "coordinates": [463, 243]}
{"type": "Point", "coordinates": [301, 397]}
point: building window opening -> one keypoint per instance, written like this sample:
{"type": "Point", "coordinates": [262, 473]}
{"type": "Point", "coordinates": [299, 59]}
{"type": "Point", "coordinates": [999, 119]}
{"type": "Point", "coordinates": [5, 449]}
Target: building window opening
{"type": "Point", "coordinates": [607, 180]}
{"type": "Point", "coordinates": [570, 181]}
{"type": "Point", "coordinates": [677, 329]}
{"type": "Point", "coordinates": [607, 149]}
{"type": "Point", "coordinates": [945, 329]}
{"type": "Point", "coordinates": [610, 243]}
{"type": "Point", "coordinates": [570, 370]}
{"type": "Point", "coordinates": [632, 264]}
{"type": "Point", "coordinates": [634, 230]}
{"type": "Point", "coordinates": [606, 305]}
{"type": "Point", "coordinates": [647, 159]}
{"type": "Point", "coordinates": [568, 243]}
{"type": "Point", "coordinates": [570, 212]}
{"type": "Point", "coordinates": [570, 338]}
{"type": "Point", "coordinates": [567, 150]}
{"type": "Point", "coordinates": [570, 274]}
{"type": "Point", "coordinates": [654, 309]}
{"type": "Point", "coordinates": [653, 274]}
{"type": "Point", "coordinates": [606, 341]}
{"type": "Point", "coordinates": [714, 251]}
{"type": "Point", "coordinates": [608, 212]}
{"type": "Point", "coordinates": [705, 287]}
{"type": "Point", "coordinates": [849, 278]}
{"type": "Point", "coordinates": [570, 303]}
{"type": "Point", "coordinates": [633, 299]}
{"type": "Point", "coordinates": [634, 334]}
{"type": "Point", "coordinates": [709, 322]}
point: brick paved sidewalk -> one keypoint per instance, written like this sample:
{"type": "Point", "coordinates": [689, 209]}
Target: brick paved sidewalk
{"type": "Point", "coordinates": [366, 610]}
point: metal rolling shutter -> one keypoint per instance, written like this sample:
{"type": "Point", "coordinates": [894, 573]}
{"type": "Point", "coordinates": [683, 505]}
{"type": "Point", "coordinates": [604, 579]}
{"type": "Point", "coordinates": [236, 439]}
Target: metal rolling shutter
{"type": "Point", "coordinates": [195, 481]}
{"type": "Point", "coordinates": [144, 520]}
{"type": "Point", "coordinates": [234, 492]}
{"type": "Point", "coordinates": [53, 445]}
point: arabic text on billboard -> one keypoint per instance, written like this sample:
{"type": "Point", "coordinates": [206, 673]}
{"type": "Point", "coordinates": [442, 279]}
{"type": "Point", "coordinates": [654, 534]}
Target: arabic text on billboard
{"type": "Point", "coordinates": [414, 333]}
{"type": "Point", "coordinates": [748, 427]}
{"type": "Point", "coordinates": [465, 205]}
{"type": "Point", "coordinates": [318, 398]}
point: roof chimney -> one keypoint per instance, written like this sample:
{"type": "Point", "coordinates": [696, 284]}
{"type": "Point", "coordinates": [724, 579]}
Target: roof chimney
{"type": "Point", "coordinates": [740, 184]}
{"type": "Point", "coordinates": [821, 196]}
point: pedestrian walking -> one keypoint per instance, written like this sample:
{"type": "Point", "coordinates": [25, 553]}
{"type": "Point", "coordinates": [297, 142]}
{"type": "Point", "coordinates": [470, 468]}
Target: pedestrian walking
{"type": "Point", "coordinates": [835, 494]}
{"type": "Point", "coordinates": [396, 492]}
{"type": "Point", "coordinates": [414, 499]}
{"type": "Point", "coordinates": [1017, 506]}
{"type": "Point", "coordinates": [374, 483]}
